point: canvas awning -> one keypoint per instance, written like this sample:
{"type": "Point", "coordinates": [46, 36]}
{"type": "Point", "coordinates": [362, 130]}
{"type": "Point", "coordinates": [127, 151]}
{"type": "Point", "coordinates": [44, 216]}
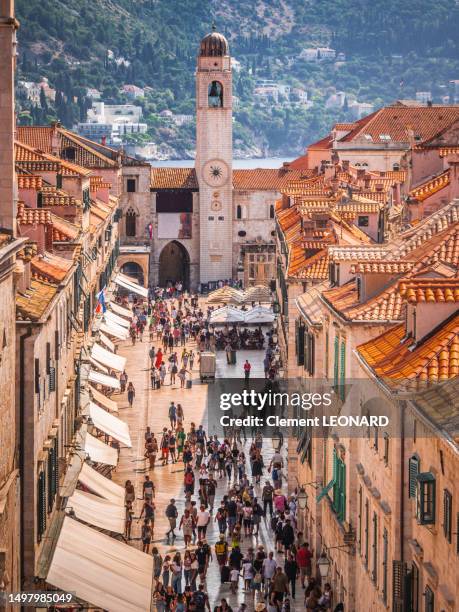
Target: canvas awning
{"type": "Point", "coordinates": [96, 511]}
{"type": "Point", "coordinates": [97, 483]}
{"type": "Point", "coordinates": [115, 362]}
{"type": "Point", "coordinates": [100, 452]}
{"type": "Point", "coordinates": [259, 314]}
{"type": "Point", "coordinates": [111, 317]}
{"type": "Point", "coordinates": [114, 330]}
{"type": "Point", "coordinates": [101, 570]}
{"type": "Point", "coordinates": [104, 401]}
{"type": "Point", "coordinates": [227, 314]}
{"type": "Point", "coordinates": [103, 379]}
{"type": "Point", "coordinates": [98, 365]}
{"type": "Point", "coordinates": [120, 310]}
{"type": "Point", "coordinates": [108, 343]}
{"type": "Point", "coordinates": [109, 424]}
{"type": "Point", "coordinates": [127, 278]}
{"type": "Point", "coordinates": [130, 287]}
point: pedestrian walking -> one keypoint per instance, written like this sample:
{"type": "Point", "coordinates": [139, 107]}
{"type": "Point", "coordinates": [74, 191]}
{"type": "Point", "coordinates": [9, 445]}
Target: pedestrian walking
{"type": "Point", "coordinates": [130, 394]}
{"type": "Point", "coordinates": [171, 514]}
{"type": "Point", "coordinates": [247, 368]}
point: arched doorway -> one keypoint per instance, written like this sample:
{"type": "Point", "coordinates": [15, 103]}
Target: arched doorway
{"type": "Point", "coordinates": [174, 265]}
{"type": "Point", "coordinates": [131, 268]}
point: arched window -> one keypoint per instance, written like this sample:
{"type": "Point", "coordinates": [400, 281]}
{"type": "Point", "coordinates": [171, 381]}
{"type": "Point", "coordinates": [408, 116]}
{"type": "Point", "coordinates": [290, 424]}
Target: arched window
{"type": "Point", "coordinates": [238, 211]}
{"type": "Point", "coordinates": [215, 95]}
{"type": "Point", "coordinates": [271, 211]}
{"type": "Point", "coordinates": [131, 221]}
{"type": "Point", "coordinates": [69, 153]}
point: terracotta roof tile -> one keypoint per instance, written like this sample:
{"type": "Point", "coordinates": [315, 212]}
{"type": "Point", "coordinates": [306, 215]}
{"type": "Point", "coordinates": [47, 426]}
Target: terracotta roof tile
{"type": "Point", "coordinates": [57, 197]}
{"type": "Point", "coordinates": [430, 290]}
{"type": "Point", "coordinates": [174, 178]}
{"type": "Point", "coordinates": [428, 188]}
{"type": "Point", "coordinates": [399, 362]}
{"type": "Point", "coordinates": [32, 216]}
{"type": "Point", "coordinates": [396, 121]}
{"type": "Point", "coordinates": [267, 179]}
{"type": "Point", "coordinates": [32, 303]}
{"type": "Point", "coordinates": [64, 230]}
{"type": "Point", "coordinates": [37, 137]}
{"type": "Point", "coordinates": [29, 181]}
{"type": "Point", "coordinates": [383, 267]}
{"type": "Point", "coordinates": [50, 268]}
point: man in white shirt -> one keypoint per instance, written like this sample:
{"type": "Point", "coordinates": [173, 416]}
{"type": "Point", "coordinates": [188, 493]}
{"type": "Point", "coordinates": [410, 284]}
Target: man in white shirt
{"type": "Point", "coordinates": [268, 570]}
{"type": "Point", "coordinates": [202, 521]}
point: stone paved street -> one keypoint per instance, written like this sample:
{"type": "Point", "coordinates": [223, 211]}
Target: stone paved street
{"type": "Point", "coordinates": [150, 408]}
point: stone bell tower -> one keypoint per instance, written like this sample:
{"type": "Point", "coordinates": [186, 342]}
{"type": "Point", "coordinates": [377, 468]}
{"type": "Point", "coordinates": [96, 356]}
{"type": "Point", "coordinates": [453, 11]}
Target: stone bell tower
{"type": "Point", "coordinates": [214, 154]}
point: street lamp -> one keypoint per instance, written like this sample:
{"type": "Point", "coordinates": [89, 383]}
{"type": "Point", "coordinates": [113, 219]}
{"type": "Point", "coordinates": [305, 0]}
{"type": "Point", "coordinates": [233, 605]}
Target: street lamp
{"type": "Point", "coordinates": [302, 498]}
{"type": "Point", "coordinates": [323, 564]}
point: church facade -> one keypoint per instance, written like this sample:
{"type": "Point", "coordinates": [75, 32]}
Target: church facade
{"type": "Point", "coordinates": [209, 222]}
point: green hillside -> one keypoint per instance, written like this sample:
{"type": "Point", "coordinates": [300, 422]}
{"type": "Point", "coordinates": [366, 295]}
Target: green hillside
{"type": "Point", "coordinates": [391, 50]}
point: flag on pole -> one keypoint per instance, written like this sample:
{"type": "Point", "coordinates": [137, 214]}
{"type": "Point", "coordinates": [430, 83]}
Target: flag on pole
{"type": "Point", "coordinates": [101, 307]}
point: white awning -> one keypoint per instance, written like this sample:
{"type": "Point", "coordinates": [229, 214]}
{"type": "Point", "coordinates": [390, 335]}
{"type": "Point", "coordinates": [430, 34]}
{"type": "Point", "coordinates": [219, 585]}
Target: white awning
{"type": "Point", "coordinates": [104, 401]}
{"type": "Point", "coordinates": [259, 314]}
{"type": "Point", "coordinates": [114, 330]}
{"type": "Point", "coordinates": [108, 343]}
{"type": "Point", "coordinates": [227, 314]}
{"type": "Point", "coordinates": [99, 484]}
{"type": "Point", "coordinates": [109, 424]}
{"type": "Point", "coordinates": [115, 362]}
{"type": "Point", "coordinates": [111, 317]}
{"type": "Point", "coordinates": [98, 365]}
{"type": "Point", "coordinates": [133, 288]}
{"type": "Point", "coordinates": [120, 310]}
{"type": "Point", "coordinates": [103, 379]}
{"type": "Point", "coordinates": [97, 511]}
{"type": "Point", "coordinates": [127, 278]}
{"type": "Point", "coordinates": [100, 452]}
{"type": "Point", "coordinates": [102, 571]}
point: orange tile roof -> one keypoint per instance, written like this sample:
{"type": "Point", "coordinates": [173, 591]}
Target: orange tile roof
{"type": "Point", "coordinates": [399, 362]}
{"type": "Point", "coordinates": [396, 121]}
{"type": "Point", "coordinates": [386, 306]}
{"type": "Point", "coordinates": [64, 230]}
{"type": "Point", "coordinates": [32, 216]}
{"type": "Point", "coordinates": [174, 178]}
{"type": "Point", "coordinates": [267, 179]}
{"type": "Point", "coordinates": [24, 153]}
{"type": "Point", "coordinates": [37, 137]}
{"type": "Point", "coordinates": [428, 188]}
{"type": "Point", "coordinates": [323, 143]}
{"type": "Point", "coordinates": [341, 127]}
{"type": "Point", "coordinates": [430, 290]}
{"type": "Point", "coordinates": [29, 181]}
{"type": "Point", "coordinates": [57, 197]}
{"type": "Point", "coordinates": [50, 268]}
{"type": "Point", "coordinates": [300, 163]}
{"type": "Point", "coordinates": [31, 304]}
{"type": "Point", "coordinates": [383, 267]}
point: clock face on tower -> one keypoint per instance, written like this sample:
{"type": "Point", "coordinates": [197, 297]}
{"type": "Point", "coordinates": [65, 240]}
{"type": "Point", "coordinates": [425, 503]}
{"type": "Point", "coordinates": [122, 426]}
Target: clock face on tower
{"type": "Point", "coordinates": [215, 172]}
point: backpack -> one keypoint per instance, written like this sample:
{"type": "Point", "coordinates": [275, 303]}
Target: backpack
{"type": "Point", "coordinates": [220, 548]}
{"type": "Point", "coordinates": [199, 600]}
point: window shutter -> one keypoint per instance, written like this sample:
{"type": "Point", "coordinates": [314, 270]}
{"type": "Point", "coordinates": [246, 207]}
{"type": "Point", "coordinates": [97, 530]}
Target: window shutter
{"type": "Point", "coordinates": [457, 533]}
{"type": "Point", "coordinates": [430, 600]}
{"type": "Point", "coordinates": [398, 584]}
{"type": "Point", "coordinates": [37, 376]}
{"type": "Point", "coordinates": [52, 379]}
{"type": "Point", "coordinates": [300, 344]}
{"type": "Point", "coordinates": [375, 548]}
{"type": "Point", "coordinates": [342, 372]}
{"type": "Point", "coordinates": [367, 529]}
{"type": "Point", "coordinates": [336, 363]}
{"type": "Point", "coordinates": [52, 477]}
{"type": "Point", "coordinates": [41, 505]}
{"type": "Point", "coordinates": [447, 514]}
{"type": "Point", "coordinates": [384, 565]}
{"type": "Point", "coordinates": [413, 471]}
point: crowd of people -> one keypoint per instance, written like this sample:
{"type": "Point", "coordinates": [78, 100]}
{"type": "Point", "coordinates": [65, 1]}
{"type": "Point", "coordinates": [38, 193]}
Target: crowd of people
{"type": "Point", "coordinates": [234, 514]}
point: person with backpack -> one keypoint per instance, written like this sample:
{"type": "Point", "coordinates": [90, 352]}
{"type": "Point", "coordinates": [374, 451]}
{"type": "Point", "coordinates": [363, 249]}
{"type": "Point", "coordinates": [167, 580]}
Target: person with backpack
{"type": "Point", "coordinates": [221, 551]}
{"type": "Point", "coordinates": [267, 497]}
{"type": "Point", "coordinates": [291, 571]}
{"type": "Point", "coordinates": [200, 600]}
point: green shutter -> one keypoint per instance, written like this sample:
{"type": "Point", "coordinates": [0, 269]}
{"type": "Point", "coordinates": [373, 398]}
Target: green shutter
{"type": "Point", "coordinates": [342, 371]}
{"type": "Point", "coordinates": [413, 471]}
{"type": "Point", "coordinates": [447, 514]}
{"type": "Point", "coordinates": [384, 565]}
{"type": "Point", "coordinates": [41, 505]}
{"type": "Point", "coordinates": [331, 484]}
{"type": "Point", "coordinates": [336, 364]}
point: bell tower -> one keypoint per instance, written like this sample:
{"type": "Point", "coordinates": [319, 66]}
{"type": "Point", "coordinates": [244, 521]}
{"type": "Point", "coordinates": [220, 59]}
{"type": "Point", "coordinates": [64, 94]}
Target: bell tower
{"type": "Point", "coordinates": [214, 154]}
